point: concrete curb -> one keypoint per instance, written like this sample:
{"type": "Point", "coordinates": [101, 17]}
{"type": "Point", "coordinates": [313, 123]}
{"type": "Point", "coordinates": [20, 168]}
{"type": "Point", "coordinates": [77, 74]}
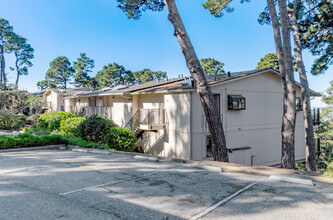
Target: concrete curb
{"type": "Point", "coordinates": [80, 150]}
{"type": "Point", "coordinates": [164, 159]}
{"type": "Point", "coordinates": [102, 152]}
{"type": "Point", "coordinates": [48, 147]}
{"type": "Point", "coordinates": [246, 170]}
{"type": "Point", "coordinates": [88, 150]}
{"type": "Point", "coordinates": [291, 180]}
{"type": "Point", "coordinates": [139, 157]}
{"type": "Point", "coordinates": [207, 167]}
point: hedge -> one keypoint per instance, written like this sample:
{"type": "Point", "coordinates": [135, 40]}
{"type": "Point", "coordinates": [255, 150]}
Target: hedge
{"type": "Point", "coordinates": [29, 140]}
{"type": "Point", "coordinates": [94, 129]}
{"type": "Point", "coordinates": [68, 126]}
{"type": "Point", "coordinates": [121, 139]}
{"type": "Point", "coordinates": [51, 120]}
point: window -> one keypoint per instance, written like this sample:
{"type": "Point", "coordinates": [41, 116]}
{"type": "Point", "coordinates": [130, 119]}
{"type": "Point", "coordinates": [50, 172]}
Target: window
{"type": "Point", "coordinates": [299, 106]}
{"type": "Point", "coordinates": [217, 101]}
{"type": "Point", "coordinates": [92, 102]}
{"type": "Point", "coordinates": [236, 102]}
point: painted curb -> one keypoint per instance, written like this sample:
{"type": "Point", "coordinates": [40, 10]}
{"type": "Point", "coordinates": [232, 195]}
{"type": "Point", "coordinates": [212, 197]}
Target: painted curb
{"type": "Point", "coordinates": [139, 157]}
{"type": "Point", "coordinates": [80, 150]}
{"type": "Point", "coordinates": [291, 180]}
{"type": "Point", "coordinates": [100, 152]}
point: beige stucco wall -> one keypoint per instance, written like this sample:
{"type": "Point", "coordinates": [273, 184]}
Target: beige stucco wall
{"type": "Point", "coordinates": [68, 104]}
{"type": "Point", "coordinates": [259, 126]}
{"type": "Point", "coordinates": [122, 110]}
{"type": "Point", "coordinates": [178, 128]}
{"type": "Point", "coordinates": [152, 101]}
{"type": "Point", "coordinates": [55, 101]}
{"type": "Point", "coordinates": [80, 103]}
{"type": "Point", "coordinates": [174, 140]}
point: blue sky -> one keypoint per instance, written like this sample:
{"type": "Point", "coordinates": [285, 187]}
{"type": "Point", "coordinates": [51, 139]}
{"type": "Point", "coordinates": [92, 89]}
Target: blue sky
{"type": "Point", "coordinates": [101, 30]}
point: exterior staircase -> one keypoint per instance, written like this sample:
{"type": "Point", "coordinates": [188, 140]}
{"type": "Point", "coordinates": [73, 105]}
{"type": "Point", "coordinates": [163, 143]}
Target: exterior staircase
{"type": "Point", "coordinates": [146, 120]}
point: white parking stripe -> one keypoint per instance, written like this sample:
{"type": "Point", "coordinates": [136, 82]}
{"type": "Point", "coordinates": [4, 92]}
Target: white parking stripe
{"type": "Point", "coordinates": [201, 214]}
{"type": "Point", "coordinates": [106, 184]}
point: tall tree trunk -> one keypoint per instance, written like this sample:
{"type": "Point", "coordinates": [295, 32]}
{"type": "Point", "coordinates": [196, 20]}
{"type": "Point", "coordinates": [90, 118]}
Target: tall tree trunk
{"type": "Point", "coordinates": [310, 152]}
{"type": "Point", "coordinates": [288, 85]}
{"type": "Point", "coordinates": [289, 118]}
{"type": "Point", "coordinates": [1, 55]}
{"type": "Point", "coordinates": [211, 112]}
{"type": "Point", "coordinates": [18, 72]}
{"type": "Point", "coordinates": [2, 65]}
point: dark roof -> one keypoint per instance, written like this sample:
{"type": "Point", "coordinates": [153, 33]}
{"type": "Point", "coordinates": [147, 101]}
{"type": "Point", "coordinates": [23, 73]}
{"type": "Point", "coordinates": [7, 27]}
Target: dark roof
{"type": "Point", "coordinates": [38, 93]}
{"type": "Point", "coordinates": [131, 88]}
{"type": "Point", "coordinates": [212, 80]}
{"type": "Point", "coordinates": [179, 84]}
{"type": "Point", "coordinates": [70, 91]}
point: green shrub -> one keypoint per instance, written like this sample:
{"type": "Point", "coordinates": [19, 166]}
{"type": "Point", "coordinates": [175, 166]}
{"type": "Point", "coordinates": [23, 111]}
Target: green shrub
{"type": "Point", "coordinates": [27, 130]}
{"type": "Point", "coordinates": [121, 139]}
{"type": "Point", "coordinates": [94, 129]}
{"type": "Point", "coordinates": [51, 120]}
{"type": "Point", "coordinates": [329, 170]}
{"type": "Point", "coordinates": [53, 139]}
{"type": "Point", "coordinates": [36, 131]}
{"type": "Point", "coordinates": [54, 125]}
{"type": "Point", "coordinates": [82, 143]}
{"type": "Point", "coordinates": [8, 142]}
{"type": "Point", "coordinates": [29, 140]}
{"type": "Point", "coordinates": [69, 125]}
{"type": "Point", "coordinates": [11, 121]}
{"type": "Point", "coordinates": [326, 157]}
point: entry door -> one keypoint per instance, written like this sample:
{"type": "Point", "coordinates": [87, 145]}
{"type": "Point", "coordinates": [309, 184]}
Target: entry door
{"type": "Point", "coordinates": [100, 102]}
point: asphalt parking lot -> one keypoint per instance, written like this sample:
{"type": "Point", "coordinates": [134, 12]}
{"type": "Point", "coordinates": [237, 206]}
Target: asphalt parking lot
{"type": "Point", "coordinates": [55, 184]}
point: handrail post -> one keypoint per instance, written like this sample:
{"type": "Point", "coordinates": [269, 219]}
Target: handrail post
{"type": "Point", "coordinates": [149, 118]}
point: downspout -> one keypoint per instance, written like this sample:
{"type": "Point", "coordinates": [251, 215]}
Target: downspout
{"type": "Point", "coordinates": [191, 118]}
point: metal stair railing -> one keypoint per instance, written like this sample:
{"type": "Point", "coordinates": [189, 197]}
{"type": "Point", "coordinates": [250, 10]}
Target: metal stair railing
{"type": "Point", "coordinates": [134, 122]}
{"type": "Point", "coordinates": [147, 117]}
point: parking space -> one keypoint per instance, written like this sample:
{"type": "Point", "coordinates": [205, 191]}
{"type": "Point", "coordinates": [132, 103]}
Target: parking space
{"type": "Point", "coordinates": [57, 184]}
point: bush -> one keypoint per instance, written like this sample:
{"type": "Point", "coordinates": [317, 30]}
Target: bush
{"type": "Point", "coordinates": [54, 125]}
{"type": "Point", "coordinates": [94, 129]}
{"type": "Point", "coordinates": [11, 121]}
{"type": "Point", "coordinates": [29, 140]}
{"type": "Point", "coordinates": [69, 125]}
{"type": "Point", "coordinates": [52, 119]}
{"type": "Point", "coordinates": [82, 143]}
{"type": "Point", "coordinates": [8, 142]}
{"type": "Point", "coordinates": [120, 139]}
{"type": "Point", "coordinates": [36, 131]}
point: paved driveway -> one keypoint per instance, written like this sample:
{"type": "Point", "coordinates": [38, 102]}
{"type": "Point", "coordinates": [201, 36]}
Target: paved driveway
{"type": "Point", "coordinates": [54, 184]}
